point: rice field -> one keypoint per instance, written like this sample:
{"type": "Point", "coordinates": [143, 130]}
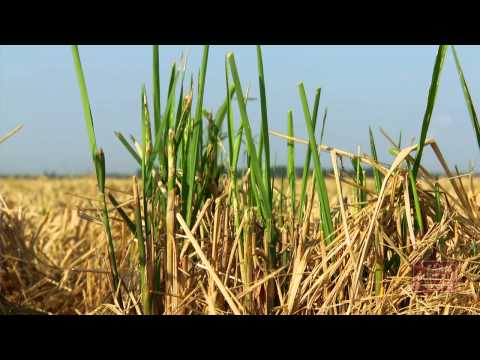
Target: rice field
{"type": "Point", "coordinates": [194, 233]}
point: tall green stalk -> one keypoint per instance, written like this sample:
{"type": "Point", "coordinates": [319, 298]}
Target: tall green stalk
{"type": "Point", "coordinates": [321, 187]}
{"type": "Point", "coordinates": [192, 164]}
{"type": "Point", "coordinates": [264, 134]}
{"type": "Point", "coordinates": [468, 98]}
{"type": "Point", "coordinates": [432, 95]}
{"type": "Point", "coordinates": [376, 174]}
{"type": "Point", "coordinates": [306, 166]}
{"type": "Point", "coordinates": [98, 159]}
{"type": "Point", "coordinates": [156, 90]}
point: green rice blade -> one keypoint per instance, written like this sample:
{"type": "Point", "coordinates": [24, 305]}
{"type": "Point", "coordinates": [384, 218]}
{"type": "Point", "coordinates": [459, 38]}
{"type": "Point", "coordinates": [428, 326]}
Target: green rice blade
{"type": "Point", "coordinates": [468, 97]}
{"type": "Point", "coordinates": [327, 224]}
{"type": "Point", "coordinates": [194, 145]}
{"type": "Point", "coordinates": [432, 95]}
{"type": "Point", "coordinates": [306, 166]}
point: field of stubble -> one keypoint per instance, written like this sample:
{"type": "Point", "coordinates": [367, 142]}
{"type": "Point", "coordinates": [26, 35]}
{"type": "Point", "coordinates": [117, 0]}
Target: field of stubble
{"type": "Point", "coordinates": [53, 254]}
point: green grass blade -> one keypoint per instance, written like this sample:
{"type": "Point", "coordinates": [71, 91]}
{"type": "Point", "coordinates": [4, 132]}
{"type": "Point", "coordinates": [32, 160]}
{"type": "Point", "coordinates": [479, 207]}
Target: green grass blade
{"type": "Point", "coordinates": [180, 128]}
{"type": "Point", "coordinates": [230, 120]}
{"type": "Point", "coordinates": [264, 113]}
{"type": "Point", "coordinates": [269, 235]}
{"type": "Point", "coordinates": [233, 147]}
{"type": "Point", "coordinates": [282, 200]}
{"type": "Point", "coordinates": [306, 166]}
{"type": "Point", "coordinates": [129, 147]}
{"type": "Point", "coordinates": [432, 94]}
{"type": "Point", "coordinates": [324, 121]}
{"type": "Point", "coordinates": [156, 90]}
{"type": "Point", "coordinates": [147, 149]}
{"type": "Point", "coordinates": [327, 224]}
{"type": "Point", "coordinates": [123, 215]}
{"type": "Point", "coordinates": [145, 125]}
{"type": "Point", "coordinates": [142, 258]}
{"type": "Point", "coordinates": [98, 159]}
{"type": "Point", "coordinates": [221, 113]}
{"type": "Point", "coordinates": [376, 174]}
{"type": "Point", "coordinates": [193, 151]}
{"type": "Point", "coordinates": [87, 112]}
{"type": "Point", "coordinates": [416, 201]}
{"type": "Point", "coordinates": [168, 119]}
{"type": "Point", "coordinates": [236, 149]}
{"type": "Point", "coordinates": [468, 97]}
{"type": "Point", "coordinates": [360, 181]}
{"type": "Point", "coordinates": [255, 165]}
{"type": "Point", "coordinates": [178, 117]}
{"type": "Point", "coordinates": [100, 169]}
{"type": "Point", "coordinates": [161, 135]}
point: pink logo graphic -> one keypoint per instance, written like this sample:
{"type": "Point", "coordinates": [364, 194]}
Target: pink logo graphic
{"type": "Point", "coordinates": [430, 276]}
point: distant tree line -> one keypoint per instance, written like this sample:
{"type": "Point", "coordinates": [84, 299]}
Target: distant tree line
{"type": "Point", "coordinates": [276, 171]}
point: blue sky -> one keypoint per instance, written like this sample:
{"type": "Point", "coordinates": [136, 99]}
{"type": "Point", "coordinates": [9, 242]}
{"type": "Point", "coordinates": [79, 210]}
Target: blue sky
{"type": "Point", "coordinates": [378, 86]}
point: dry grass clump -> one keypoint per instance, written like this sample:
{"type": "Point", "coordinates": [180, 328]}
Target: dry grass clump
{"type": "Point", "coordinates": [46, 247]}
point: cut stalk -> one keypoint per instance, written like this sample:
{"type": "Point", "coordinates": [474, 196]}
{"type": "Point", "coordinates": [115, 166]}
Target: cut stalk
{"type": "Point", "coordinates": [291, 163]}
{"type": "Point", "coordinates": [142, 258]}
{"type": "Point", "coordinates": [438, 217]}
{"type": "Point", "coordinates": [172, 258]}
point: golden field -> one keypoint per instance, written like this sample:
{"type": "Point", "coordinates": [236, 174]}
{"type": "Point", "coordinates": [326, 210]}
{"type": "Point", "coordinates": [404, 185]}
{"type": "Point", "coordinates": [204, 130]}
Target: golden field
{"type": "Point", "coordinates": [53, 255]}
{"type": "Point", "coordinates": [53, 260]}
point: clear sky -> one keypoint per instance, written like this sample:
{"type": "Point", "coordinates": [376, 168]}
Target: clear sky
{"type": "Point", "coordinates": [380, 86]}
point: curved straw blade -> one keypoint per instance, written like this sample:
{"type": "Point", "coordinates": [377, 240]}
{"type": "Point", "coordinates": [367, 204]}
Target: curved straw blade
{"type": "Point", "coordinates": [10, 133]}
{"type": "Point", "coordinates": [129, 147]}
{"type": "Point", "coordinates": [130, 224]}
